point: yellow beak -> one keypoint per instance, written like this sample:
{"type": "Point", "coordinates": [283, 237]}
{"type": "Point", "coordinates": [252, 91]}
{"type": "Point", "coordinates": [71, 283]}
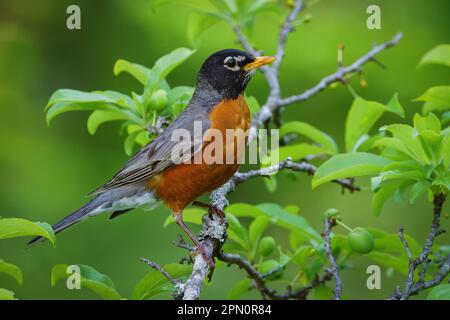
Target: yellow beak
{"type": "Point", "coordinates": [259, 62]}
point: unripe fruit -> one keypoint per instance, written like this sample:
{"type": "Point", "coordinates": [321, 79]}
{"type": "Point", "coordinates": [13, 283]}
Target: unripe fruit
{"type": "Point", "coordinates": [360, 240]}
{"type": "Point", "coordinates": [266, 246]}
{"type": "Point", "coordinates": [270, 265]}
{"type": "Point", "coordinates": [158, 100]}
{"type": "Point", "coordinates": [332, 213]}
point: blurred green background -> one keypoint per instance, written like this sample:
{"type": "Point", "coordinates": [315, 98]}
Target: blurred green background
{"type": "Point", "coordinates": [45, 173]}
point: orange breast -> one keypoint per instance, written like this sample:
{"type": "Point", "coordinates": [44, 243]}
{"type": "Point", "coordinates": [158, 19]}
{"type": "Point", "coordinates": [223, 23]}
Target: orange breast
{"type": "Point", "coordinates": [179, 185]}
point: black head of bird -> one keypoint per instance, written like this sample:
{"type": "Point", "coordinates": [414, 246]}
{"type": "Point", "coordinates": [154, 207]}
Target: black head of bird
{"type": "Point", "coordinates": [229, 71]}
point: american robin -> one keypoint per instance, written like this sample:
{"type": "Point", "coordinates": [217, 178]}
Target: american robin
{"type": "Point", "coordinates": [153, 174]}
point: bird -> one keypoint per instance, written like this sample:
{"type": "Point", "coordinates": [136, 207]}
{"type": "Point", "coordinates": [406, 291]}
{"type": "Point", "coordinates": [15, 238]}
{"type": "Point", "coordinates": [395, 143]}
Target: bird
{"type": "Point", "coordinates": [155, 175]}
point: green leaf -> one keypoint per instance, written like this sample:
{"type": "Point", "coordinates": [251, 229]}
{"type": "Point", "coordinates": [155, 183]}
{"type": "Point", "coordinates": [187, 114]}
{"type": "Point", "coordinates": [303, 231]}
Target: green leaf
{"type": "Point", "coordinates": [65, 100]}
{"type": "Point", "coordinates": [377, 233]}
{"type": "Point", "coordinates": [348, 165]}
{"type": "Point", "coordinates": [294, 151]}
{"type": "Point", "coordinates": [427, 123]}
{"type": "Point", "coordinates": [408, 136]}
{"type": "Point", "coordinates": [237, 232]}
{"type": "Point", "coordinates": [393, 143]}
{"type": "Point", "coordinates": [438, 55]}
{"type": "Point", "coordinates": [445, 118]}
{"type": "Point", "coordinates": [380, 197]}
{"type": "Point", "coordinates": [139, 72]}
{"type": "Point", "coordinates": [180, 93]}
{"type": "Point", "coordinates": [418, 189]}
{"type": "Point", "coordinates": [366, 142]}
{"type": "Point", "coordinates": [62, 107]}
{"type": "Point", "coordinates": [155, 282]}
{"type": "Point", "coordinates": [363, 115]}
{"type": "Point", "coordinates": [307, 130]}
{"type": "Point", "coordinates": [257, 228]}
{"type": "Point", "coordinates": [440, 292]}
{"type": "Point", "coordinates": [122, 100]}
{"type": "Point", "coordinates": [394, 106]}
{"type": "Point", "coordinates": [445, 151]}
{"type": "Point", "coordinates": [6, 294]}
{"type": "Point", "coordinates": [271, 183]}
{"type": "Point", "coordinates": [240, 289]}
{"type": "Point", "coordinates": [442, 182]}
{"type": "Point", "coordinates": [95, 281]}
{"type": "Point", "coordinates": [231, 4]}
{"type": "Point", "coordinates": [321, 292]}
{"type": "Point", "coordinates": [277, 216]}
{"type": "Point", "coordinates": [99, 117]}
{"type": "Point", "coordinates": [400, 175]}
{"type": "Point", "coordinates": [131, 140]}
{"type": "Point", "coordinates": [199, 5]}
{"type": "Point", "coordinates": [70, 95]}
{"type": "Point", "coordinates": [16, 227]}
{"type": "Point", "coordinates": [142, 138]}
{"type": "Point", "coordinates": [262, 5]}
{"type": "Point", "coordinates": [431, 106]}
{"type": "Point", "coordinates": [225, 6]}
{"type": "Point", "coordinates": [292, 209]}
{"type": "Point", "coordinates": [300, 256]}
{"type": "Point", "coordinates": [253, 104]}
{"type": "Point", "coordinates": [11, 270]}
{"type": "Point", "coordinates": [199, 23]}
{"type": "Point", "coordinates": [399, 264]}
{"type": "Point", "coordinates": [436, 98]}
{"type": "Point", "coordinates": [164, 65]}
{"type": "Point", "coordinates": [392, 244]}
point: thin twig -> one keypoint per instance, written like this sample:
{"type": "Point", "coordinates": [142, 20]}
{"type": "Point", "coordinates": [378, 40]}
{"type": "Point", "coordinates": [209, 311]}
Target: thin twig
{"type": "Point", "coordinates": [259, 280]}
{"type": "Point", "coordinates": [157, 267]}
{"type": "Point", "coordinates": [284, 32]}
{"type": "Point", "coordinates": [412, 287]}
{"type": "Point", "coordinates": [334, 268]}
{"type": "Point", "coordinates": [245, 43]}
{"type": "Point", "coordinates": [219, 196]}
{"type": "Point", "coordinates": [180, 243]}
{"type": "Point", "coordinates": [339, 75]}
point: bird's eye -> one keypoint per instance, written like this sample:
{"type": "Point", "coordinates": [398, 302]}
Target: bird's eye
{"type": "Point", "coordinates": [231, 63]}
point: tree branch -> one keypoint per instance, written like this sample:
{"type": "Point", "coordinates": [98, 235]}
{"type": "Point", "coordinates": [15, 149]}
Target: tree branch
{"type": "Point", "coordinates": [219, 196]}
{"type": "Point", "coordinates": [157, 267]}
{"type": "Point", "coordinates": [334, 268]}
{"type": "Point", "coordinates": [412, 287]}
{"type": "Point", "coordinates": [284, 33]}
{"type": "Point", "coordinates": [212, 237]}
{"type": "Point", "coordinates": [245, 43]}
{"type": "Point", "coordinates": [259, 280]}
{"type": "Point", "coordinates": [339, 76]}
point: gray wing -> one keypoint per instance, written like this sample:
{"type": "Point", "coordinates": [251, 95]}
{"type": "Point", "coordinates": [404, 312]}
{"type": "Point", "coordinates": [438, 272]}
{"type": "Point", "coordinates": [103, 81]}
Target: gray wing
{"type": "Point", "coordinates": [162, 152]}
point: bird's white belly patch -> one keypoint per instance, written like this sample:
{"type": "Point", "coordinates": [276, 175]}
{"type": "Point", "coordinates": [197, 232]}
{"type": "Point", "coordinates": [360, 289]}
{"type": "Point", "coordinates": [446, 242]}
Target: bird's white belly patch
{"type": "Point", "coordinates": [135, 201]}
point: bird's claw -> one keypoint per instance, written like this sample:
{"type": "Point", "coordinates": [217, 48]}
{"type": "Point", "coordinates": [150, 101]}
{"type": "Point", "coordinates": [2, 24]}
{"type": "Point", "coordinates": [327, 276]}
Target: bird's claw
{"type": "Point", "coordinates": [218, 212]}
{"type": "Point", "coordinates": [211, 208]}
{"type": "Point", "coordinates": [212, 267]}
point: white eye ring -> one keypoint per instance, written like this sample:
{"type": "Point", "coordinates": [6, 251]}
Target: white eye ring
{"type": "Point", "coordinates": [231, 63]}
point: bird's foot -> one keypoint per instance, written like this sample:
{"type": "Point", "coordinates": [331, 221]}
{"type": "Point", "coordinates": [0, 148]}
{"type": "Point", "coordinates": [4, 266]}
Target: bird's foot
{"type": "Point", "coordinates": [218, 212]}
{"type": "Point", "coordinates": [211, 208]}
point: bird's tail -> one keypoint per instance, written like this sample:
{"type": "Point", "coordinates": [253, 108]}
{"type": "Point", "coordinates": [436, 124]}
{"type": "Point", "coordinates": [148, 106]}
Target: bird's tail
{"type": "Point", "coordinates": [77, 216]}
